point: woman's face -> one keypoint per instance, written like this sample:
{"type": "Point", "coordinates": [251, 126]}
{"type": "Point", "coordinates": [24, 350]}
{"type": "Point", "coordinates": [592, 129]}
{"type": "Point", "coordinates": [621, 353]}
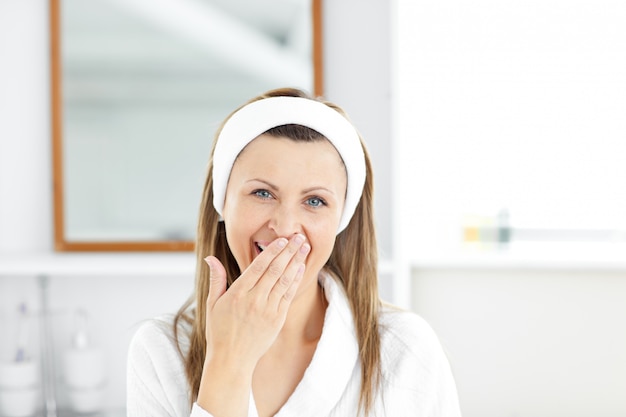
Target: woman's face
{"type": "Point", "coordinates": [279, 187]}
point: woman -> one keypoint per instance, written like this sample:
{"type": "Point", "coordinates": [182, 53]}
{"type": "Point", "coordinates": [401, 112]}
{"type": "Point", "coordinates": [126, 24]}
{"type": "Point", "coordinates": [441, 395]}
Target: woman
{"type": "Point", "coordinates": [286, 319]}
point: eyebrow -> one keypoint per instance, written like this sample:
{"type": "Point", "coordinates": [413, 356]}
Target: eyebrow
{"type": "Point", "coordinates": [306, 191]}
{"type": "Point", "coordinates": [269, 184]}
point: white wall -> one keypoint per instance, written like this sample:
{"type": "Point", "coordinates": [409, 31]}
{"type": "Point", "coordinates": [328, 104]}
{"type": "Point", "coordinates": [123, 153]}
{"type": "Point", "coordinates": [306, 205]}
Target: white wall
{"type": "Point", "coordinates": [357, 77]}
{"type": "Point", "coordinates": [521, 344]}
{"type": "Point", "coordinates": [25, 185]}
{"type": "Point", "coordinates": [530, 343]}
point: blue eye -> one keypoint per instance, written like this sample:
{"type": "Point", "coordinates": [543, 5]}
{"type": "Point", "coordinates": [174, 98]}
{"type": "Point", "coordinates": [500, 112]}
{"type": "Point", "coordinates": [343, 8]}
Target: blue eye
{"type": "Point", "coordinates": [315, 202]}
{"type": "Point", "coordinates": [262, 194]}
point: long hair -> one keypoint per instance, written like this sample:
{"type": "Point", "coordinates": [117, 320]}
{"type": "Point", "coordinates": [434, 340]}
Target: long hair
{"type": "Point", "coordinates": [353, 261]}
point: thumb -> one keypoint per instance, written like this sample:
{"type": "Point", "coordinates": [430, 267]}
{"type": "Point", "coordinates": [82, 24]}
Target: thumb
{"type": "Point", "coordinates": [217, 282]}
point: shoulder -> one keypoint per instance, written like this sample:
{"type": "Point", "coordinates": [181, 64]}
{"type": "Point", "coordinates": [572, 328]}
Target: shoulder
{"type": "Point", "coordinates": [154, 345]}
{"type": "Point", "coordinates": [415, 369]}
{"type": "Point", "coordinates": [407, 330]}
{"type": "Point", "coordinates": [153, 332]}
{"type": "Point", "coordinates": [409, 344]}
{"type": "Point", "coordinates": [156, 383]}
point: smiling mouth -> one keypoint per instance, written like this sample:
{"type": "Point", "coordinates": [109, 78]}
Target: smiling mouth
{"type": "Point", "coordinates": [259, 247]}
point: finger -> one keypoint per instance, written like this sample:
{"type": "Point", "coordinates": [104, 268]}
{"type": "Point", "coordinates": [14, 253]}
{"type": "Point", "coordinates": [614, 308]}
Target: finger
{"type": "Point", "coordinates": [278, 269]}
{"type": "Point", "coordinates": [259, 265]}
{"type": "Point", "coordinates": [217, 280]}
{"type": "Point", "coordinates": [285, 301]}
{"type": "Point", "coordinates": [284, 283]}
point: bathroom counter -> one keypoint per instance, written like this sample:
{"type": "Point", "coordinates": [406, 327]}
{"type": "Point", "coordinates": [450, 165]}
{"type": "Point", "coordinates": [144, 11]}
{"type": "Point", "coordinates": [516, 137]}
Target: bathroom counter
{"type": "Point", "coordinates": [107, 264]}
{"type": "Point", "coordinates": [563, 256]}
{"type": "Point", "coordinates": [98, 264]}
{"type": "Point", "coordinates": [107, 413]}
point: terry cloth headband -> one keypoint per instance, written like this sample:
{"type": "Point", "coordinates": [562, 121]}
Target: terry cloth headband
{"type": "Point", "coordinates": [258, 117]}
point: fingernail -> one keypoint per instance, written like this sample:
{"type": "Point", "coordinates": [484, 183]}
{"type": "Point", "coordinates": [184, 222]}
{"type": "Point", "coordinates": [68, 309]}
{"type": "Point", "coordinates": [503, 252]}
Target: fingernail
{"type": "Point", "coordinates": [208, 262]}
{"type": "Point", "coordinates": [298, 239]}
{"type": "Point", "coordinates": [304, 249]}
{"type": "Point", "coordinates": [282, 242]}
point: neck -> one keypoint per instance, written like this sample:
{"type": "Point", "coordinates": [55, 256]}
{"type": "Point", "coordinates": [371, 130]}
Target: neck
{"type": "Point", "coordinates": [305, 318]}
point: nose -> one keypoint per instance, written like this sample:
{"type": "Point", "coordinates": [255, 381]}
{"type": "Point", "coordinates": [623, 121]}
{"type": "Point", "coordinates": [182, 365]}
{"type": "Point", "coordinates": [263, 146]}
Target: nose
{"type": "Point", "coordinates": [285, 221]}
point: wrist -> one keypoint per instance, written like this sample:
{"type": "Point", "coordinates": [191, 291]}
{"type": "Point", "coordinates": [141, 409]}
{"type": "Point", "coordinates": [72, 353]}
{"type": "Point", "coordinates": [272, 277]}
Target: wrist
{"type": "Point", "coordinates": [228, 368]}
{"type": "Point", "coordinates": [225, 377]}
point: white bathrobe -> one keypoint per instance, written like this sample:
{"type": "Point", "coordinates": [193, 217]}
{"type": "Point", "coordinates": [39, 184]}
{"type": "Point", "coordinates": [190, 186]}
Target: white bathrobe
{"type": "Point", "coordinates": [417, 380]}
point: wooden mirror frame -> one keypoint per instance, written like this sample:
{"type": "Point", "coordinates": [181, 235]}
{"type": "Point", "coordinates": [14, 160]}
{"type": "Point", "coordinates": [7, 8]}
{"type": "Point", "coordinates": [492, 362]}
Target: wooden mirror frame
{"type": "Point", "coordinates": [60, 241]}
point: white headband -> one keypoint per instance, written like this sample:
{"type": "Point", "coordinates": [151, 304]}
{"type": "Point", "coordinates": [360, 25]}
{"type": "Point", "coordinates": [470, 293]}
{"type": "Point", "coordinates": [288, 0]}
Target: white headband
{"type": "Point", "coordinates": [258, 117]}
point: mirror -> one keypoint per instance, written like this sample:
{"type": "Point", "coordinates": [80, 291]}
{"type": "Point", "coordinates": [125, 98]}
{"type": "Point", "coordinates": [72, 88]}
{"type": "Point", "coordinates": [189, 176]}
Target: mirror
{"type": "Point", "coordinates": [139, 88]}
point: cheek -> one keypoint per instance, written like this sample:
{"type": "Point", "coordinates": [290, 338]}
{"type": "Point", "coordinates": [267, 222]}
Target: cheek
{"type": "Point", "coordinates": [236, 209]}
{"type": "Point", "coordinates": [322, 243]}
{"type": "Point", "coordinates": [236, 230]}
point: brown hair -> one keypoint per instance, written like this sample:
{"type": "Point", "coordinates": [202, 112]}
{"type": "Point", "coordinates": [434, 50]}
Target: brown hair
{"type": "Point", "coordinates": [353, 262]}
